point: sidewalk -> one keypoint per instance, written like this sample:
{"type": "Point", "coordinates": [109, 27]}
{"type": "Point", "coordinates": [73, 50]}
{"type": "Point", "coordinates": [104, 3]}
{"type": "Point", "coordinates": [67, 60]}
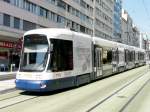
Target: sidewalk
{"type": "Point", "coordinates": [7, 75]}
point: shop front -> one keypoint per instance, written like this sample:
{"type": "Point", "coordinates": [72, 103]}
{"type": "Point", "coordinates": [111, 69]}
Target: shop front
{"type": "Point", "coordinates": [9, 55]}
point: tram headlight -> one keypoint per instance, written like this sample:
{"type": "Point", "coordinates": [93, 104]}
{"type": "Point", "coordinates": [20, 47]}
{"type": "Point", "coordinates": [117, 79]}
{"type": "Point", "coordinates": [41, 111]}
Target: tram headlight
{"type": "Point", "coordinates": [43, 86]}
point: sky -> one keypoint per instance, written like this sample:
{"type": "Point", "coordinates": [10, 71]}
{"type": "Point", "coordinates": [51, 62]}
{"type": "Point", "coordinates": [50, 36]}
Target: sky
{"type": "Point", "coordinates": [139, 11]}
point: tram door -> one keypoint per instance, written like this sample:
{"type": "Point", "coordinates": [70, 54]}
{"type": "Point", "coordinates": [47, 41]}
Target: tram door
{"type": "Point", "coordinates": [115, 59]}
{"type": "Point", "coordinates": [98, 61]}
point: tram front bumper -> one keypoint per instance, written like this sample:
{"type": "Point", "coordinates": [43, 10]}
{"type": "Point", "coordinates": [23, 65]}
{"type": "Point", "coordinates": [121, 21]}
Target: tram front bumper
{"type": "Point", "coordinates": [32, 85]}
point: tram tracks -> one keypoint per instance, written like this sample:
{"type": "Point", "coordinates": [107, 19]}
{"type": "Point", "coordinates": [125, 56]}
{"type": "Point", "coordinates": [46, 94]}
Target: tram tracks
{"type": "Point", "coordinates": [16, 99]}
{"type": "Point", "coordinates": [110, 98]}
{"type": "Point", "coordinates": [7, 91]}
{"type": "Point", "coordinates": [9, 98]}
{"type": "Point", "coordinates": [132, 98]}
{"type": "Point", "coordinates": [75, 103]}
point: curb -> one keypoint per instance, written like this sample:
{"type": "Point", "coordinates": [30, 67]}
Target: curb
{"type": "Point", "coordinates": [7, 77]}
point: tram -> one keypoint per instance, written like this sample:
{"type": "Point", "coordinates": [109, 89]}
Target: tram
{"type": "Point", "coordinates": [54, 58]}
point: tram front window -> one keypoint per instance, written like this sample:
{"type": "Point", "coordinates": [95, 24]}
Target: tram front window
{"type": "Point", "coordinates": [34, 56]}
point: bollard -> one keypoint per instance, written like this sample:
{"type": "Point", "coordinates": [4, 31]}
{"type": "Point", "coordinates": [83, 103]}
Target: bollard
{"type": "Point", "coordinates": [12, 67]}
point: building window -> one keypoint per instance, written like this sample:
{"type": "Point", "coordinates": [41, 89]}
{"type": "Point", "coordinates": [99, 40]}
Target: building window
{"type": "Point", "coordinates": [82, 3]}
{"type": "Point", "coordinates": [77, 13]}
{"type": "Point", "coordinates": [28, 25]}
{"type": "Point", "coordinates": [107, 56]}
{"type": "Point", "coordinates": [52, 1]}
{"type": "Point", "coordinates": [16, 2]}
{"type": "Point", "coordinates": [73, 11]}
{"type": "Point", "coordinates": [82, 29]}
{"type": "Point", "coordinates": [6, 19]}
{"type": "Point", "coordinates": [69, 8]}
{"type": "Point", "coordinates": [29, 6]}
{"type": "Point", "coordinates": [77, 1]}
{"type": "Point", "coordinates": [16, 23]}
{"type": "Point", "coordinates": [8, 1]}
{"type": "Point", "coordinates": [61, 4]}
{"type": "Point", "coordinates": [32, 8]}
{"type": "Point", "coordinates": [43, 12]}
{"type": "Point", "coordinates": [52, 16]}
{"type": "Point", "coordinates": [60, 19]}
{"type": "Point", "coordinates": [26, 5]}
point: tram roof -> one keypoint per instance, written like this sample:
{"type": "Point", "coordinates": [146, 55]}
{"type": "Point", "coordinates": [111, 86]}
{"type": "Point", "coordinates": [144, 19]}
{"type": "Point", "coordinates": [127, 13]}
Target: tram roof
{"type": "Point", "coordinates": [54, 32]}
{"type": "Point", "coordinates": [47, 31]}
{"type": "Point", "coordinates": [103, 42]}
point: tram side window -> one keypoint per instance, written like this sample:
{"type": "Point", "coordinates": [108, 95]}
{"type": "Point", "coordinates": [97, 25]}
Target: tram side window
{"type": "Point", "coordinates": [126, 55]}
{"type": "Point", "coordinates": [130, 56]}
{"type": "Point", "coordinates": [121, 56]}
{"type": "Point", "coordinates": [140, 56]}
{"type": "Point", "coordinates": [115, 55]}
{"type": "Point", "coordinates": [61, 55]}
{"type": "Point", "coordinates": [107, 56]}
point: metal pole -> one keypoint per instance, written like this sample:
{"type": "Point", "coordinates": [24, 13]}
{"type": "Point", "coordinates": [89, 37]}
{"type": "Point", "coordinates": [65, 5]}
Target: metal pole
{"type": "Point", "coordinates": [94, 10]}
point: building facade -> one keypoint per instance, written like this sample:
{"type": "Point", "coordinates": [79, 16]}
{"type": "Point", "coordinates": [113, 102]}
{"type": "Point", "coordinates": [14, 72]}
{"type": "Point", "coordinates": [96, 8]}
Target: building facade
{"type": "Point", "coordinates": [126, 28]}
{"type": "Point", "coordinates": [136, 36]}
{"type": "Point", "coordinates": [144, 41]}
{"type": "Point", "coordinates": [18, 16]}
{"type": "Point", "coordinates": [103, 18]}
{"type": "Point", "coordinates": [93, 17]}
{"type": "Point", "coordinates": [124, 18]}
{"type": "Point", "coordinates": [117, 20]}
{"type": "Point", "coordinates": [130, 33]}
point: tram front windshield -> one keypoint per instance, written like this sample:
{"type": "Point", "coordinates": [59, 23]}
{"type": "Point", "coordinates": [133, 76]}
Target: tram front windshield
{"type": "Point", "coordinates": [34, 55]}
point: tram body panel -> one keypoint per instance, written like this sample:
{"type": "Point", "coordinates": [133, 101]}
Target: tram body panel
{"type": "Point", "coordinates": [82, 54]}
{"type": "Point", "coordinates": [106, 55]}
{"type": "Point", "coordinates": [61, 58]}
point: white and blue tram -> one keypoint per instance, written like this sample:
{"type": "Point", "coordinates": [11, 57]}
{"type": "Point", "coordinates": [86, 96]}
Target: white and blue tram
{"type": "Point", "coordinates": [59, 58]}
